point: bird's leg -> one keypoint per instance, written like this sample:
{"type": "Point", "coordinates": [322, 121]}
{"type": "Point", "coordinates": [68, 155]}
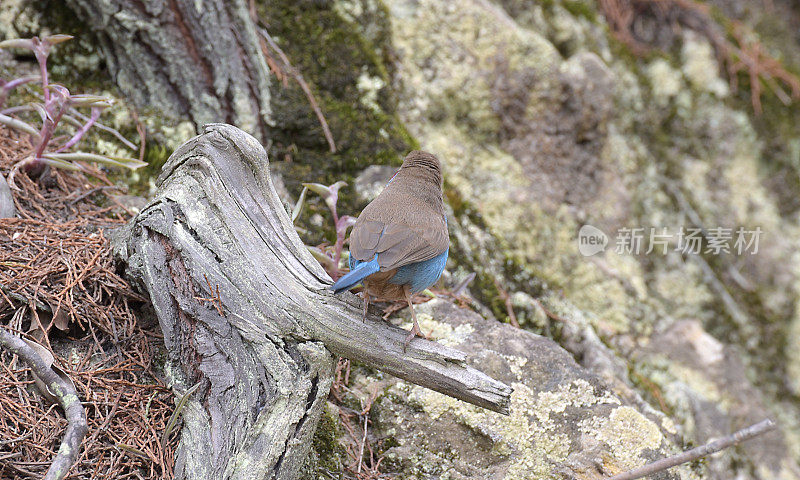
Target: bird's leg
{"type": "Point", "coordinates": [366, 304]}
{"type": "Point", "coordinates": [415, 330]}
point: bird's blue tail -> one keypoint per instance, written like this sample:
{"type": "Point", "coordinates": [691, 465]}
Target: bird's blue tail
{"type": "Point", "coordinates": [354, 277]}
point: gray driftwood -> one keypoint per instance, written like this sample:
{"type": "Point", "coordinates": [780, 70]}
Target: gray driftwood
{"type": "Point", "coordinates": [7, 208]}
{"type": "Point", "coordinates": [65, 392]}
{"type": "Point", "coordinates": [261, 349]}
{"type": "Point", "coordinates": [196, 60]}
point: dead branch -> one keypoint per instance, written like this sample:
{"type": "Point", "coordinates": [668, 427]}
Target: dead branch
{"type": "Point", "coordinates": [67, 397]}
{"type": "Point", "coordinates": [699, 452]}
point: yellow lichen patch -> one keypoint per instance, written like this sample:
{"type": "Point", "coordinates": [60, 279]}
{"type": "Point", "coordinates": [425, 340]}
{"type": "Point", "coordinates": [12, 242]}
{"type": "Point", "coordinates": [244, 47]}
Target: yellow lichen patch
{"type": "Point", "coordinates": [369, 86]}
{"type": "Point", "coordinates": [447, 71]}
{"type": "Point", "coordinates": [749, 201]}
{"type": "Point", "coordinates": [628, 433]}
{"type": "Point", "coordinates": [533, 437]}
{"type": "Point", "coordinates": [684, 283]}
{"type": "Point", "coordinates": [579, 393]}
{"type": "Point", "coordinates": [700, 65]}
{"type": "Point", "coordinates": [515, 363]}
{"type": "Point", "coordinates": [675, 379]}
{"type": "Point", "coordinates": [665, 80]}
{"type": "Point", "coordinates": [668, 425]}
{"type": "Point", "coordinates": [441, 332]}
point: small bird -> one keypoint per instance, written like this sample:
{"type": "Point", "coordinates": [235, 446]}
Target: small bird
{"type": "Point", "coordinates": [399, 244]}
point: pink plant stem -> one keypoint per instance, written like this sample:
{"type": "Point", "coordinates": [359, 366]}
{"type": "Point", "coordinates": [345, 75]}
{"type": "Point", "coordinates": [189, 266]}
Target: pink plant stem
{"type": "Point", "coordinates": [20, 108]}
{"type": "Point", "coordinates": [43, 70]}
{"type": "Point", "coordinates": [47, 131]}
{"type": "Point", "coordinates": [337, 252]}
{"type": "Point", "coordinates": [8, 86]}
{"type": "Point", "coordinates": [41, 57]}
{"type": "Point", "coordinates": [48, 128]}
{"type": "Point", "coordinates": [82, 131]}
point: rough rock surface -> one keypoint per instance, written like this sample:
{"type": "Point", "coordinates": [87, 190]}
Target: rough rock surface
{"type": "Point", "coordinates": [564, 419]}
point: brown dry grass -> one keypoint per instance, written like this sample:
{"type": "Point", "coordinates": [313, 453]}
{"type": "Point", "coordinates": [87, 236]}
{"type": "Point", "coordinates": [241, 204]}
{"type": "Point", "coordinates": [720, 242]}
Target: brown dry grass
{"type": "Point", "coordinates": [58, 284]}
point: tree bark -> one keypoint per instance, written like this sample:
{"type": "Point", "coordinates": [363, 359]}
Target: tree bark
{"type": "Point", "coordinates": [246, 310]}
{"type": "Point", "coordinates": [195, 60]}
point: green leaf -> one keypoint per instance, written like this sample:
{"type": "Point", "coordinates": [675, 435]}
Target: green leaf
{"type": "Point", "coordinates": [57, 38]}
{"type": "Point", "coordinates": [329, 193]}
{"type": "Point", "coordinates": [18, 43]}
{"type": "Point", "coordinates": [85, 100]}
{"type": "Point", "coordinates": [322, 190]}
{"type": "Point", "coordinates": [298, 207]}
{"type": "Point", "coordinates": [130, 163]}
{"type": "Point", "coordinates": [132, 450]}
{"type": "Point", "coordinates": [173, 419]}
{"type": "Point", "coordinates": [19, 125]}
{"type": "Point", "coordinates": [54, 162]}
{"type": "Point", "coordinates": [60, 90]}
{"type": "Point", "coordinates": [41, 111]}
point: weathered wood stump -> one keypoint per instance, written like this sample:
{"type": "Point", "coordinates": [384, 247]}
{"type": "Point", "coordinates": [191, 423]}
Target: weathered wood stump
{"type": "Point", "coordinates": [245, 311]}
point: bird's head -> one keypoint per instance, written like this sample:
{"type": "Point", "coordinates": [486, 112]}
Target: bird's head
{"type": "Point", "coordinates": [423, 165]}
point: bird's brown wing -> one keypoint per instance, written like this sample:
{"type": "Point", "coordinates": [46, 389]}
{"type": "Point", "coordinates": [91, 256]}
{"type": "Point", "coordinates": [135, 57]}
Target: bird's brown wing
{"type": "Point", "coordinates": [398, 243]}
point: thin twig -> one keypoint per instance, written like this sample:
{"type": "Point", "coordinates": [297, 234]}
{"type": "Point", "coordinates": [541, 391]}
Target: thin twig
{"type": "Point", "coordinates": [512, 317]}
{"type": "Point", "coordinates": [699, 452]}
{"type": "Point", "coordinates": [67, 397]}
{"type": "Point", "coordinates": [551, 315]}
{"type": "Point", "coordinates": [463, 284]}
{"type": "Point", "coordinates": [215, 299]}
{"type": "Point", "coordinates": [92, 191]}
{"type": "Point", "coordinates": [363, 442]}
{"type": "Point", "coordinates": [142, 131]}
{"type": "Point", "coordinates": [299, 78]}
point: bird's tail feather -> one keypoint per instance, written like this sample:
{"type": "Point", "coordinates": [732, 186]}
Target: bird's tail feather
{"type": "Point", "coordinates": [356, 275]}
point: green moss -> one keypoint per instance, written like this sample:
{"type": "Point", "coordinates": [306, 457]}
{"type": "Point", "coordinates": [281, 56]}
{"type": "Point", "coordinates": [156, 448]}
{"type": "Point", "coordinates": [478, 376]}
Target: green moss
{"type": "Point", "coordinates": [325, 443]}
{"type": "Point", "coordinates": [349, 76]}
{"type": "Point", "coordinates": [581, 8]}
{"type": "Point", "coordinates": [349, 73]}
{"type": "Point", "coordinates": [515, 276]}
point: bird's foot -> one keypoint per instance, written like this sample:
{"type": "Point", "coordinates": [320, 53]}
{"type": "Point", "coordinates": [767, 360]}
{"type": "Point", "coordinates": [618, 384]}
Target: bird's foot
{"type": "Point", "coordinates": [415, 331]}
